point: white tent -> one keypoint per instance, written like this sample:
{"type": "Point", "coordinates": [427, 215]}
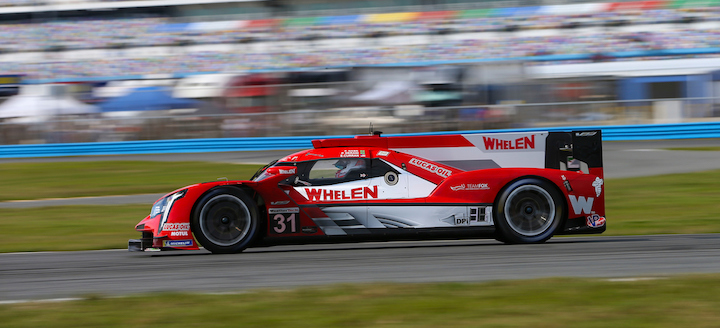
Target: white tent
{"type": "Point", "coordinates": [387, 92]}
{"type": "Point", "coordinates": [33, 106]}
{"type": "Point", "coordinates": [203, 86]}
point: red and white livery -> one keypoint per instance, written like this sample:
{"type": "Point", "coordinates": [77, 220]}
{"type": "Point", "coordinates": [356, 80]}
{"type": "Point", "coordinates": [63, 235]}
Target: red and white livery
{"type": "Point", "coordinates": [520, 187]}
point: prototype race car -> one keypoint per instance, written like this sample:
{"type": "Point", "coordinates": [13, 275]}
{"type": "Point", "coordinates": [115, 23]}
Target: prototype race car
{"type": "Point", "coordinates": [515, 187]}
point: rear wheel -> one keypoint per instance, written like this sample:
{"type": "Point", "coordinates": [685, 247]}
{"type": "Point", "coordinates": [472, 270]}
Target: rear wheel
{"type": "Point", "coordinates": [225, 221]}
{"type": "Point", "coordinates": [528, 211]}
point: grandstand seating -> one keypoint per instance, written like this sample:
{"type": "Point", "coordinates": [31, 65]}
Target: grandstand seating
{"type": "Point", "coordinates": [48, 51]}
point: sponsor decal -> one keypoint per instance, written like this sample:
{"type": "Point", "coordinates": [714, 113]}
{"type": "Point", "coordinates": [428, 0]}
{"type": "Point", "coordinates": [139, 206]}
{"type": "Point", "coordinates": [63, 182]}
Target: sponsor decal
{"type": "Point", "coordinates": [280, 202]}
{"type": "Point", "coordinates": [595, 221]}
{"type": "Point", "coordinates": [176, 227]}
{"type": "Point", "coordinates": [500, 144]}
{"type": "Point", "coordinates": [292, 158]}
{"type": "Point", "coordinates": [352, 153]}
{"type": "Point", "coordinates": [573, 163]}
{"type": "Point", "coordinates": [313, 154]}
{"type": "Point", "coordinates": [470, 186]}
{"type": "Point", "coordinates": [290, 171]}
{"type": "Point", "coordinates": [443, 172]}
{"type": "Point", "coordinates": [457, 220]}
{"type": "Point", "coordinates": [177, 243]}
{"type": "Point", "coordinates": [383, 153]}
{"type": "Point", "coordinates": [284, 210]}
{"type": "Point", "coordinates": [598, 183]}
{"type": "Point", "coordinates": [309, 229]}
{"type": "Point", "coordinates": [321, 194]}
{"type": "Point", "coordinates": [581, 205]}
{"type": "Point", "coordinates": [585, 134]}
{"type": "Point", "coordinates": [566, 183]}
{"type": "Point", "coordinates": [464, 220]}
{"type": "Point", "coordinates": [179, 234]}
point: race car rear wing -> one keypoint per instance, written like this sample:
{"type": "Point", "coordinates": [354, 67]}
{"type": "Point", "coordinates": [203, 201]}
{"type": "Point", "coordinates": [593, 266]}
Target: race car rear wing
{"type": "Point", "coordinates": [574, 151]}
{"type": "Point", "coordinates": [570, 151]}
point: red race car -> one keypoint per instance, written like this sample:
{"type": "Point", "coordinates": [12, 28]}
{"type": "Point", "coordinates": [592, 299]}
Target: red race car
{"type": "Point", "coordinates": [520, 187]}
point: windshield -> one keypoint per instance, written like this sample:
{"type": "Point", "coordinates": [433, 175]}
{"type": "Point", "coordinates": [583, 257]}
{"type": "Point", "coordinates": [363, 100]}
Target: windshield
{"type": "Point", "coordinates": [260, 174]}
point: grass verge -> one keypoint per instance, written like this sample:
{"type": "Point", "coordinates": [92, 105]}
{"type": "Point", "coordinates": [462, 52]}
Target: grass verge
{"type": "Point", "coordinates": [685, 301]}
{"type": "Point", "coordinates": [24, 181]}
{"type": "Point", "coordinates": [676, 203]}
{"type": "Point", "coordinates": [69, 228]}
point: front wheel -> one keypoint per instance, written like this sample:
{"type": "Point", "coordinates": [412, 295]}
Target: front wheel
{"type": "Point", "coordinates": [528, 211]}
{"type": "Point", "coordinates": [225, 221]}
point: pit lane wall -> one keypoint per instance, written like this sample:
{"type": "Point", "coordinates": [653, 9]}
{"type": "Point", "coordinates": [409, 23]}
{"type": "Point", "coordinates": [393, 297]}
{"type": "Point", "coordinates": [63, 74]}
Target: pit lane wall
{"type": "Point", "coordinates": [609, 133]}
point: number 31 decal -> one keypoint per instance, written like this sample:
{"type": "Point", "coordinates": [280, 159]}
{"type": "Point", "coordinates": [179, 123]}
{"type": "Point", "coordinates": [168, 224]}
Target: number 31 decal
{"type": "Point", "coordinates": [284, 223]}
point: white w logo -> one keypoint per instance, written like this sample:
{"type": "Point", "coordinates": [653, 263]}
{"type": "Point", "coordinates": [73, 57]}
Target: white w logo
{"type": "Point", "coordinates": [581, 204]}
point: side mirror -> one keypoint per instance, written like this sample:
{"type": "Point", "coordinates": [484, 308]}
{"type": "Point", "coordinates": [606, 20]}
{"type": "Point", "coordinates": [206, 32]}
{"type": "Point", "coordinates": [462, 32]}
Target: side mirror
{"type": "Point", "coordinates": [282, 170]}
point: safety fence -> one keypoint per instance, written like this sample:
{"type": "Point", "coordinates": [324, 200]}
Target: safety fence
{"type": "Point", "coordinates": [610, 133]}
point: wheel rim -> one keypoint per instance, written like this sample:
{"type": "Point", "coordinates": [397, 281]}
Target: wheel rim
{"type": "Point", "coordinates": [530, 210]}
{"type": "Point", "coordinates": [225, 220]}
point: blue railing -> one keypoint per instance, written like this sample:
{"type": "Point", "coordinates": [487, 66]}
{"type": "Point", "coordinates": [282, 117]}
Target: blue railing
{"type": "Point", "coordinates": [610, 133]}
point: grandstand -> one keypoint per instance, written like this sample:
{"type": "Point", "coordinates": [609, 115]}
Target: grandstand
{"type": "Point", "coordinates": [521, 63]}
{"type": "Point", "coordinates": [61, 41]}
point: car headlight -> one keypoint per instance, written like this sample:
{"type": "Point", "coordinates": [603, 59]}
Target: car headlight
{"type": "Point", "coordinates": [163, 207]}
{"type": "Point", "coordinates": [158, 207]}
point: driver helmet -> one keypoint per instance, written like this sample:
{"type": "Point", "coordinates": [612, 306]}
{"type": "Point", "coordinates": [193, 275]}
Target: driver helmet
{"type": "Point", "coordinates": [341, 164]}
{"type": "Point", "coordinates": [346, 165]}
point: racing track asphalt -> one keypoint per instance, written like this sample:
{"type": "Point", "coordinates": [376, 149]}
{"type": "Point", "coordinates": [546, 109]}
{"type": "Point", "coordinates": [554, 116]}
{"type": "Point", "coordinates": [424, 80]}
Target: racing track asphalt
{"type": "Point", "coordinates": [27, 276]}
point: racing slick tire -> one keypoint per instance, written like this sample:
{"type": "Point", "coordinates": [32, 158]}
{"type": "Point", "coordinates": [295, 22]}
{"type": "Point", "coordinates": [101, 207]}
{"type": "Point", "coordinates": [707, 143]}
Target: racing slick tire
{"type": "Point", "coordinates": [225, 220]}
{"type": "Point", "coordinates": [528, 210]}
